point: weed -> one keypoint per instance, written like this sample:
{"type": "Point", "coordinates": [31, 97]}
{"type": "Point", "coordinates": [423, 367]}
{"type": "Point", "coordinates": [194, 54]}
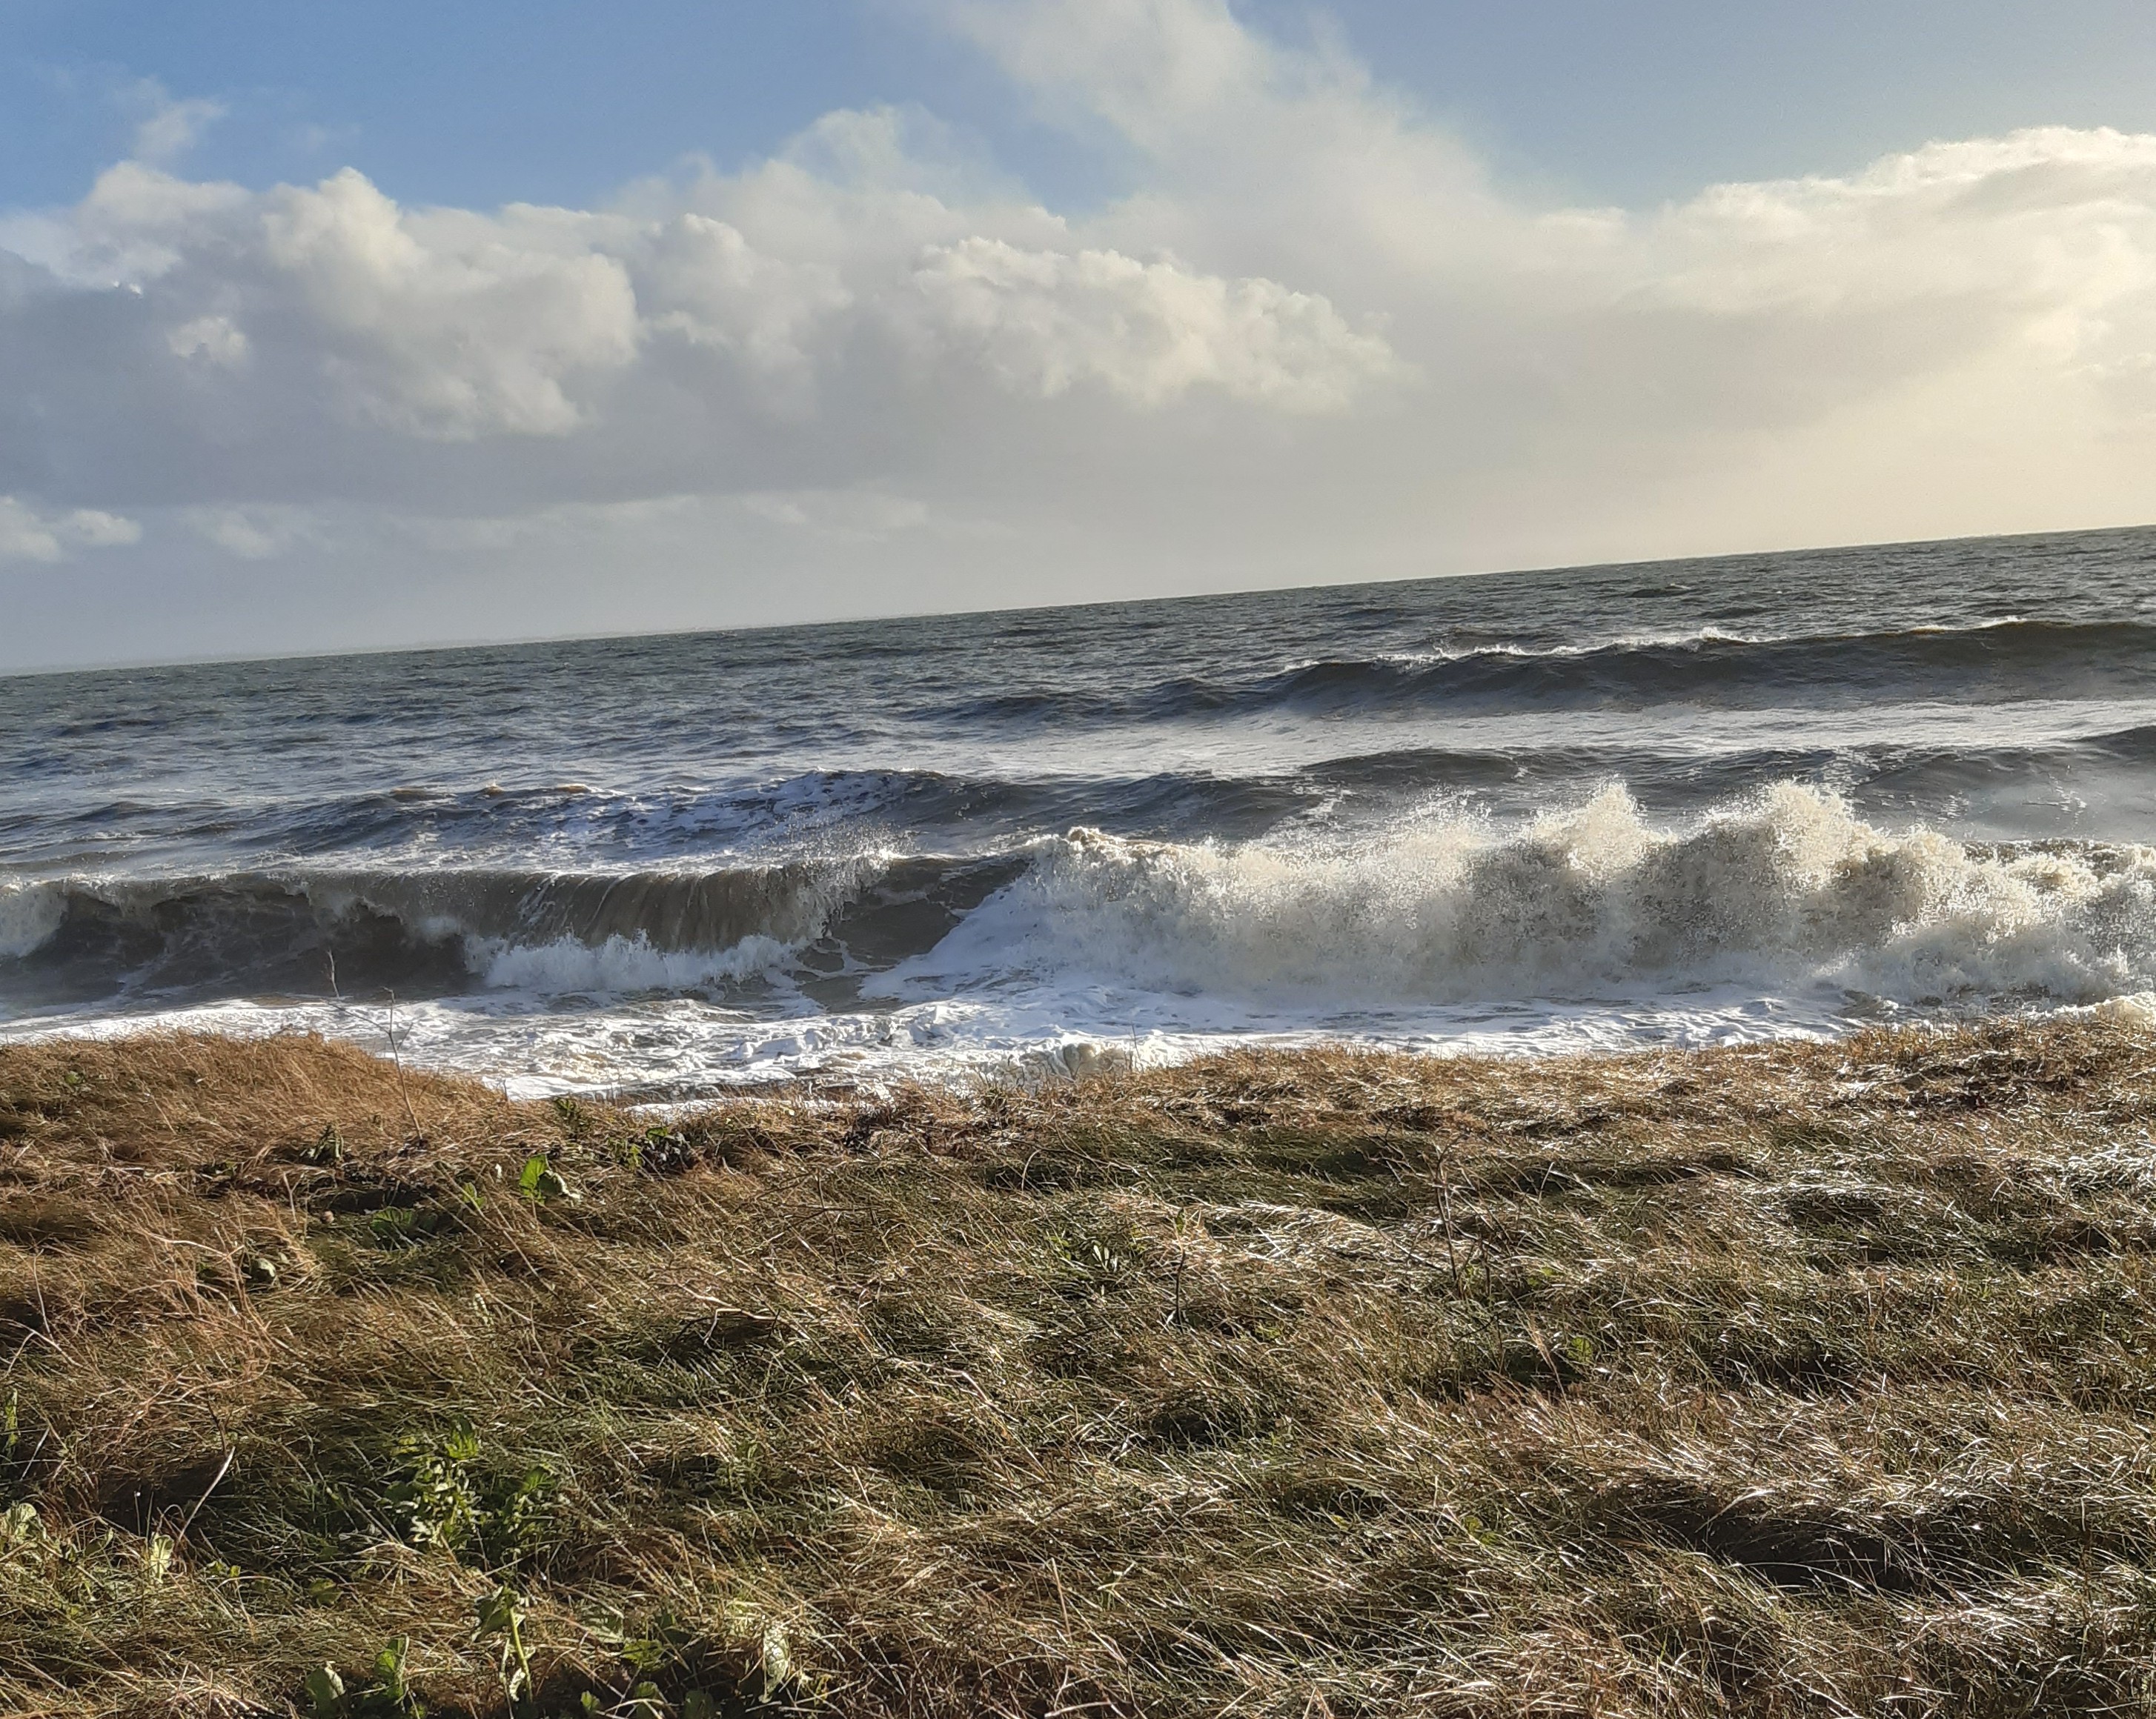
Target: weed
{"type": "Point", "coordinates": [20, 1525]}
{"type": "Point", "coordinates": [388, 1696]}
{"type": "Point", "coordinates": [398, 1227]}
{"type": "Point", "coordinates": [437, 1502]}
{"type": "Point", "coordinates": [443, 1498]}
{"type": "Point", "coordinates": [502, 1614]}
{"type": "Point", "coordinates": [324, 1690]}
{"type": "Point", "coordinates": [391, 1697]}
{"type": "Point", "coordinates": [541, 1182]}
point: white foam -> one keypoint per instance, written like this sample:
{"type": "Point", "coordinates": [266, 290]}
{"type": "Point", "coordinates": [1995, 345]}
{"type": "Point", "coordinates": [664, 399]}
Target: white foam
{"type": "Point", "coordinates": [2137, 1010]}
{"type": "Point", "coordinates": [1615, 642]}
{"type": "Point", "coordinates": [1789, 888]}
{"type": "Point", "coordinates": [1593, 929]}
{"type": "Point", "coordinates": [620, 964]}
{"type": "Point", "coordinates": [679, 1049]}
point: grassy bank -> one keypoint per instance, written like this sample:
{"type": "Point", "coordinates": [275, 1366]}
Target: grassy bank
{"type": "Point", "coordinates": [1803, 1380]}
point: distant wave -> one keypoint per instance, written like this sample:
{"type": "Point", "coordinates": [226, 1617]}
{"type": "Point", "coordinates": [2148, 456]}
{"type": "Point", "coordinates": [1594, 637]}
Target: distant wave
{"type": "Point", "coordinates": [1788, 885]}
{"type": "Point", "coordinates": [1996, 661]}
{"type": "Point", "coordinates": [667, 825]}
{"type": "Point", "coordinates": [1405, 768]}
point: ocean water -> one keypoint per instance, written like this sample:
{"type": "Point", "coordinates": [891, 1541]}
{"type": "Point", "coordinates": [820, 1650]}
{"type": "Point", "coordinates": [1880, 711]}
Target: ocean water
{"type": "Point", "coordinates": [1687, 802]}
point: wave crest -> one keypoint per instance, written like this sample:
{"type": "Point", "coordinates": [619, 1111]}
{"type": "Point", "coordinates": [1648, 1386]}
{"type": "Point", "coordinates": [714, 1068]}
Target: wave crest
{"type": "Point", "coordinates": [312, 931]}
{"type": "Point", "coordinates": [1790, 884]}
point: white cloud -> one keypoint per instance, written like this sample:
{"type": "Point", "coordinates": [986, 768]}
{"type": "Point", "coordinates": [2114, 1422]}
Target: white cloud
{"type": "Point", "coordinates": [1042, 321]}
{"type": "Point", "coordinates": [95, 530]}
{"type": "Point", "coordinates": [1155, 69]}
{"type": "Point", "coordinates": [1316, 340]}
{"type": "Point", "coordinates": [26, 534]}
{"type": "Point", "coordinates": [848, 515]}
{"type": "Point", "coordinates": [448, 325]}
{"type": "Point", "coordinates": [170, 128]}
{"type": "Point", "coordinates": [699, 278]}
{"type": "Point", "coordinates": [212, 339]}
{"type": "Point", "coordinates": [254, 533]}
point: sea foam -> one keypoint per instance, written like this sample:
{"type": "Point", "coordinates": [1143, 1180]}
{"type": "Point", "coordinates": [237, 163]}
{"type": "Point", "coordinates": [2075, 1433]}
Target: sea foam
{"type": "Point", "coordinates": [1786, 884]}
{"type": "Point", "coordinates": [621, 964]}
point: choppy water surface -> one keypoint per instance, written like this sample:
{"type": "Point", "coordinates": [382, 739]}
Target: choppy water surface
{"type": "Point", "coordinates": [1698, 800]}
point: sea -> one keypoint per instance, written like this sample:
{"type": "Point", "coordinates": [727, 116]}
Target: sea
{"type": "Point", "coordinates": [1590, 809]}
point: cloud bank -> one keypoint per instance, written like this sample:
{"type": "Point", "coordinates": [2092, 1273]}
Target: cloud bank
{"type": "Point", "coordinates": [1314, 340]}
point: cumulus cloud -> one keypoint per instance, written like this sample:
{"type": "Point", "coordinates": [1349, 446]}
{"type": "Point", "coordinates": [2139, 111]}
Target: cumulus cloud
{"type": "Point", "coordinates": [699, 279]}
{"type": "Point", "coordinates": [1043, 321]}
{"type": "Point", "coordinates": [444, 327]}
{"type": "Point", "coordinates": [1317, 338]}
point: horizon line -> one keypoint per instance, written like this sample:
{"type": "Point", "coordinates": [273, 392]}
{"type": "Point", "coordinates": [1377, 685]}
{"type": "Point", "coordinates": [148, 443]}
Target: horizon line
{"type": "Point", "coordinates": [442, 647]}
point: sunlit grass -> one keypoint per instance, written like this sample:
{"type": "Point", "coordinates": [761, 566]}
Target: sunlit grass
{"type": "Point", "coordinates": [1815, 1378]}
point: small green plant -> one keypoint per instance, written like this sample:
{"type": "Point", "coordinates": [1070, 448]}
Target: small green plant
{"type": "Point", "coordinates": [437, 1502]}
{"type": "Point", "coordinates": [658, 1148]}
{"type": "Point", "coordinates": [502, 1614]}
{"type": "Point", "coordinates": [445, 1500]}
{"type": "Point", "coordinates": [388, 1696]}
{"type": "Point", "coordinates": [327, 1148]}
{"type": "Point", "coordinates": [20, 1525]}
{"type": "Point", "coordinates": [516, 1517]}
{"type": "Point", "coordinates": [660, 1645]}
{"type": "Point", "coordinates": [407, 1226]}
{"type": "Point", "coordinates": [391, 1697]}
{"type": "Point", "coordinates": [542, 1182]}
{"type": "Point", "coordinates": [668, 1653]}
{"type": "Point", "coordinates": [324, 1692]}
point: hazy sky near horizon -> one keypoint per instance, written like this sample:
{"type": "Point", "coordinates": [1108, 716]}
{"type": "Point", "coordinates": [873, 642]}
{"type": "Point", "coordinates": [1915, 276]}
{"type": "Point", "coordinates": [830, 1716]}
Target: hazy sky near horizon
{"type": "Point", "coordinates": [328, 327]}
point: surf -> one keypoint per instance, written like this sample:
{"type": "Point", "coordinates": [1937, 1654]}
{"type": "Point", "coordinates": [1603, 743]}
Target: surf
{"type": "Point", "coordinates": [1787, 886]}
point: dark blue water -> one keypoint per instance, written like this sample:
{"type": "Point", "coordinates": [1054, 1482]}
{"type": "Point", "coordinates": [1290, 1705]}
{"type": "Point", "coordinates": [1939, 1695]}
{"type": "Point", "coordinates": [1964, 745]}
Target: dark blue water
{"type": "Point", "coordinates": [1753, 795]}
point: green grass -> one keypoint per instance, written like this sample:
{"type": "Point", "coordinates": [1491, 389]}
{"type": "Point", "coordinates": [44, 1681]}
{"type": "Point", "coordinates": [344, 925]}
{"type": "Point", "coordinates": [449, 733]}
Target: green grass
{"type": "Point", "coordinates": [1815, 1379]}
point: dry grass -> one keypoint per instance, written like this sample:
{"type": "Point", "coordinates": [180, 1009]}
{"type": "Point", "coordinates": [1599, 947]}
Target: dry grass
{"type": "Point", "coordinates": [1815, 1379]}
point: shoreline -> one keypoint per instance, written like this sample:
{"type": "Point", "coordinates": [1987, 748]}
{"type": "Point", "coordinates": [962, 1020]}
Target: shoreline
{"type": "Point", "coordinates": [376, 1030]}
{"type": "Point", "coordinates": [1781, 1376]}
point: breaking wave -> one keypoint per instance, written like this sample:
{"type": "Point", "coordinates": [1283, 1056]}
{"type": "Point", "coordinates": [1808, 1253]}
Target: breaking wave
{"type": "Point", "coordinates": [1790, 887]}
{"type": "Point", "coordinates": [1791, 884]}
{"type": "Point", "coordinates": [312, 931]}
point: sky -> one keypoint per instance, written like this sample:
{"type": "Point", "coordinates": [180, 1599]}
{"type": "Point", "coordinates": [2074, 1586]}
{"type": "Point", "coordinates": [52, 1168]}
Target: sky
{"type": "Point", "coordinates": [326, 328]}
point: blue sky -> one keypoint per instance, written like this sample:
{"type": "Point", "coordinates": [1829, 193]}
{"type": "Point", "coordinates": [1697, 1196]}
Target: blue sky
{"type": "Point", "coordinates": [849, 306]}
{"type": "Point", "coordinates": [483, 102]}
